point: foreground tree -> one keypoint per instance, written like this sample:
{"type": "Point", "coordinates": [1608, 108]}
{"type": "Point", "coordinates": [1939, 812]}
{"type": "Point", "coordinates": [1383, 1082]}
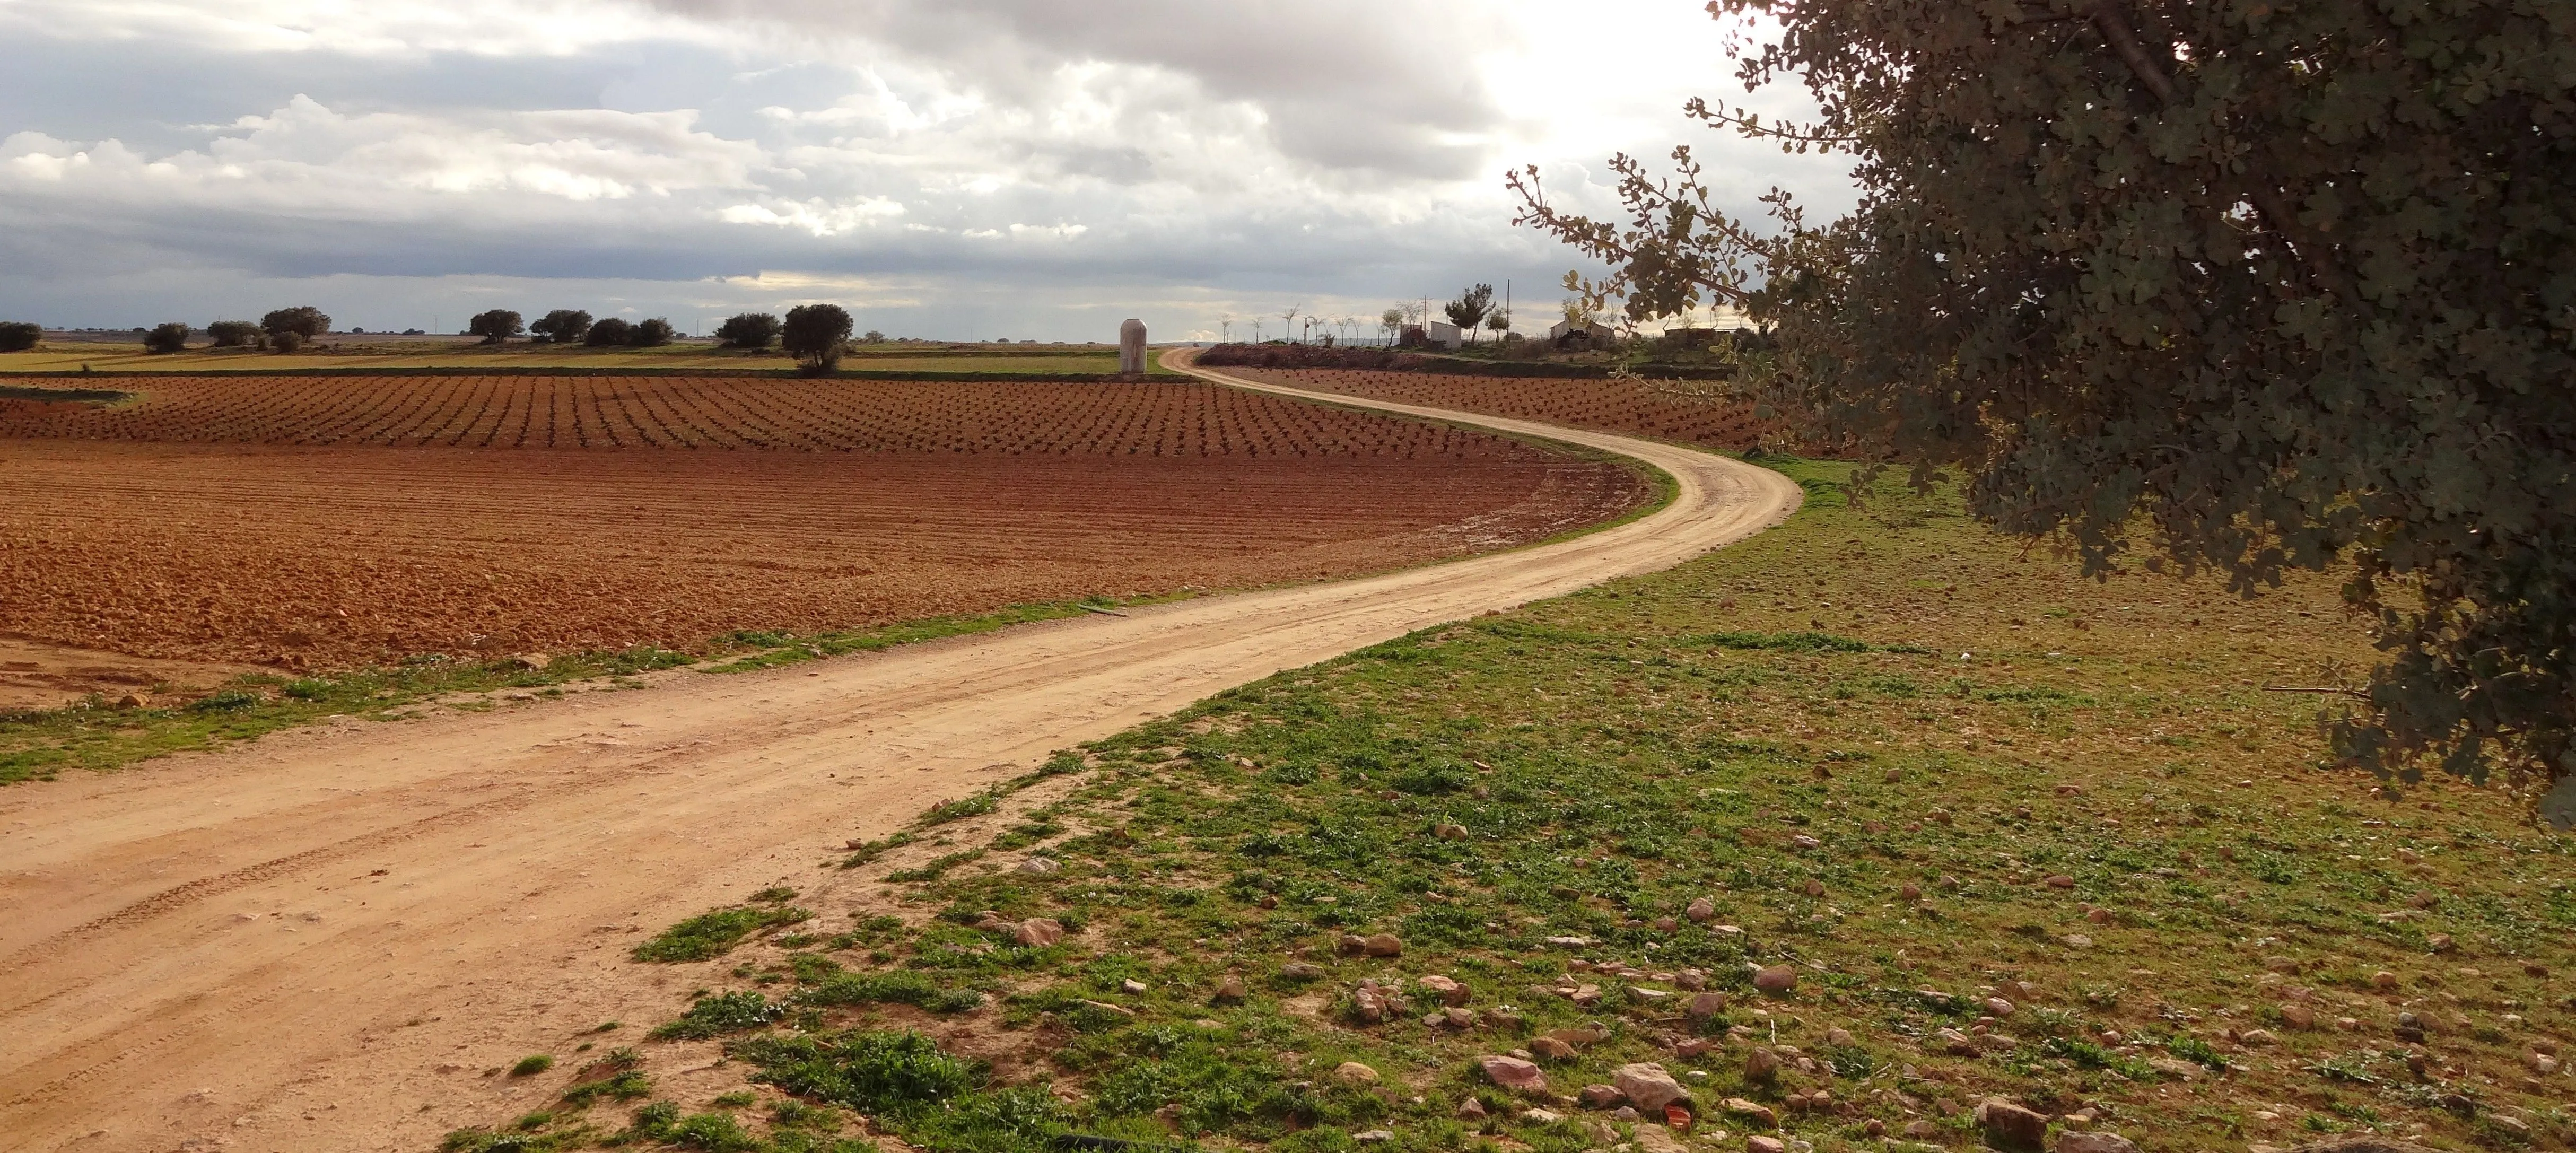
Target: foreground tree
{"type": "Point", "coordinates": [2233, 285]}
{"type": "Point", "coordinates": [496, 326]}
{"type": "Point", "coordinates": [1468, 311]}
{"type": "Point", "coordinates": [815, 334]}
{"type": "Point", "coordinates": [235, 334]}
{"type": "Point", "coordinates": [562, 326]}
{"type": "Point", "coordinates": [167, 338]}
{"type": "Point", "coordinates": [610, 333]}
{"type": "Point", "coordinates": [752, 330]}
{"type": "Point", "coordinates": [306, 322]}
{"type": "Point", "coordinates": [19, 335]}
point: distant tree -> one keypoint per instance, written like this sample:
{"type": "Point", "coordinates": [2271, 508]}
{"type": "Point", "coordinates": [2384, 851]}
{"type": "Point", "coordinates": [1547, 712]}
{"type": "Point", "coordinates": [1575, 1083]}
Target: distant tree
{"type": "Point", "coordinates": [1470, 308]}
{"type": "Point", "coordinates": [652, 333]}
{"type": "Point", "coordinates": [1392, 321]}
{"type": "Point", "coordinates": [610, 333]}
{"type": "Point", "coordinates": [236, 334]}
{"type": "Point", "coordinates": [19, 336]}
{"type": "Point", "coordinates": [1288, 318]}
{"type": "Point", "coordinates": [169, 337]}
{"type": "Point", "coordinates": [287, 341]}
{"type": "Point", "coordinates": [874, 337]}
{"type": "Point", "coordinates": [562, 326]}
{"type": "Point", "coordinates": [1498, 323]}
{"type": "Point", "coordinates": [495, 326]}
{"type": "Point", "coordinates": [754, 330]}
{"type": "Point", "coordinates": [814, 334]}
{"type": "Point", "coordinates": [304, 320]}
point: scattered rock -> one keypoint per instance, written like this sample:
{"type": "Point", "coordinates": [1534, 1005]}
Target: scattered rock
{"type": "Point", "coordinates": [1999, 1007]}
{"type": "Point", "coordinates": [129, 701]}
{"type": "Point", "coordinates": [1551, 1048]}
{"type": "Point", "coordinates": [1354, 1073]}
{"type": "Point", "coordinates": [1666, 924]}
{"type": "Point", "coordinates": [2409, 856]}
{"type": "Point", "coordinates": [2077, 941]}
{"type": "Point", "coordinates": [1759, 1144]}
{"type": "Point", "coordinates": [1230, 989]}
{"type": "Point", "coordinates": [1647, 1085]}
{"type": "Point", "coordinates": [2061, 881]}
{"type": "Point", "coordinates": [2383, 979]}
{"type": "Point", "coordinates": [1815, 888]}
{"type": "Point", "coordinates": [1514, 1074]}
{"type": "Point", "coordinates": [1448, 990]}
{"type": "Point", "coordinates": [2540, 1063]}
{"type": "Point", "coordinates": [1761, 1065]}
{"type": "Point", "coordinates": [1911, 892]}
{"type": "Point", "coordinates": [1803, 841]}
{"type": "Point", "coordinates": [1649, 996]}
{"type": "Point", "coordinates": [2175, 1068]}
{"type": "Point", "coordinates": [1701, 909]}
{"type": "Point", "coordinates": [2009, 1126]}
{"type": "Point", "coordinates": [1458, 1018]}
{"type": "Point", "coordinates": [1600, 1096]}
{"type": "Point", "coordinates": [2298, 1016]}
{"type": "Point", "coordinates": [1542, 1116]}
{"type": "Point", "coordinates": [1839, 1038]}
{"type": "Point", "coordinates": [1106, 1007]}
{"type": "Point", "coordinates": [2438, 942]}
{"type": "Point", "coordinates": [1922, 1130]}
{"type": "Point", "coordinates": [1691, 979]}
{"type": "Point", "coordinates": [1131, 986]}
{"type": "Point", "coordinates": [1350, 945]}
{"type": "Point", "coordinates": [1471, 1109]}
{"type": "Point", "coordinates": [1372, 1137]}
{"type": "Point", "coordinates": [1300, 971]}
{"type": "Point", "coordinates": [1268, 901]}
{"type": "Point", "coordinates": [1776, 979]}
{"type": "Point", "coordinates": [1693, 1047]}
{"type": "Point", "coordinates": [1705, 1005]}
{"type": "Point", "coordinates": [1038, 932]}
{"type": "Point", "coordinates": [1758, 1114]}
{"type": "Point", "coordinates": [1449, 832]}
{"type": "Point", "coordinates": [1383, 945]}
{"type": "Point", "coordinates": [1041, 866]}
{"type": "Point", "coordinates": [1570, 942]}
{"type": "Point", "coordinates": [2257, 1038]}
{"type": "Point", "coordinates": [2083, 1142]}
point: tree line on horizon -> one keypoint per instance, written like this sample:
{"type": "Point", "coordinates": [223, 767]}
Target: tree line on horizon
{"type": "Point", "coordinates": [816, 334]}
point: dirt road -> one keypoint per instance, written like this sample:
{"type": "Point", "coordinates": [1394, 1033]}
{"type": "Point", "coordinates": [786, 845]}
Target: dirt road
{"type": "Point", "coordinates": [319, 941]}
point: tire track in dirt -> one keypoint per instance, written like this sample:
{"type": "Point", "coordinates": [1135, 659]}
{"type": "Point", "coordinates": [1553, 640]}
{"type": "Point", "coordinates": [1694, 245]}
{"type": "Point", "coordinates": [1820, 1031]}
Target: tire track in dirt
{"type": "Point", "coordinates": [318, 1010]}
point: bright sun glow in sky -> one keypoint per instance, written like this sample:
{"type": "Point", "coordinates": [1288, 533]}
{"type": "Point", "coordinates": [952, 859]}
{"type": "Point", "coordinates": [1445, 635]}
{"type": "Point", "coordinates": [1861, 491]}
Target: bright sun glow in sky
{"type": "Point", "coordinates": [962, 169]}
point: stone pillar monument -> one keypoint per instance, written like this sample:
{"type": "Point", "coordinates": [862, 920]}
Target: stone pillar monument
{"type": "Point", "coordinates": [1131, 348]}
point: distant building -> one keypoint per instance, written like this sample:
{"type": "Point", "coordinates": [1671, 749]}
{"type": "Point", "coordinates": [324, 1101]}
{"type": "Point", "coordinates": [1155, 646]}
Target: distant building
{"type": "Point", "coordinates": [1567, 330]}
{"type": "Point", "coordinates": [1444, 336]}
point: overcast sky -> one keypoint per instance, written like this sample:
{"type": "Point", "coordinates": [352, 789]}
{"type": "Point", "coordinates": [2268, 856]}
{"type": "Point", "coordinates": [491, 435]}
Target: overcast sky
{"type": "Point", "coordinates": [957, 169]}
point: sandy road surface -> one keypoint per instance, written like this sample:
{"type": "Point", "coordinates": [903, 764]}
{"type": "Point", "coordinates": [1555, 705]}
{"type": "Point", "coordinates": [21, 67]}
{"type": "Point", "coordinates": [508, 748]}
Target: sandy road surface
{"type": "Point", "coordinates": [319, 941]}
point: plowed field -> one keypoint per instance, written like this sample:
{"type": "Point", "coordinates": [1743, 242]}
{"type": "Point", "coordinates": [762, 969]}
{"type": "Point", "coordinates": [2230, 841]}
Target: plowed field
{"type": "Point", "coordinates": [1176, 419]}
{"type": "Point", "coordinates": [339, 521]}
{"type": "Point", "coordinates": [1609, 405]}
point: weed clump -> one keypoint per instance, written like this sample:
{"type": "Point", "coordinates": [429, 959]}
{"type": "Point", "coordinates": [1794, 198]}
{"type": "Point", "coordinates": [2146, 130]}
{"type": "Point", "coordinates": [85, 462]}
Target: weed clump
{"type": "Point", "coordinates": [711, 935]}
{"type": "Point", "coordinates": [533, 1065]}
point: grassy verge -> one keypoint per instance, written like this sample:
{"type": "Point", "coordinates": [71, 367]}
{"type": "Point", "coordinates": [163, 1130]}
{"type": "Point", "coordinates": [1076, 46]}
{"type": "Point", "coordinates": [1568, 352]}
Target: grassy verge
{"type": "Point", "coordinates": [41, 744]}
{"type": "Point", "coordinates": [2010, 833]}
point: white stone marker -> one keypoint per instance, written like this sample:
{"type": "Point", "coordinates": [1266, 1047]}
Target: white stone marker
{"type": "Point", "coordinates": [1131, 348]}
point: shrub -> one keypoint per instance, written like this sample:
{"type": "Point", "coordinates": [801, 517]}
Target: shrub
{"type": "Point", "coordinates": [496, 326]}
{"type": "Point", "coordinates": [303, 320]}
{"type": "Point", "coordinates": [531, 1066]}
{"type": "Point", "coordinates": [562, 326]}
{"type": "Point", "coordinates": [653, 333]}
{"type": "Point", "coordinates": [753, 330]}
{"type": "Point", "coordinates": [894, 1073]}
{"type": "Point", "coordinates": [814, 334]}
{"type": "Point", "coordinates": [608, 333]}
{"type": "Point", "coordinates": [289, 341]}
{"type": "Point", "coordinates": [19, 336]}
{"type": "Point", "coordinates": [170, 337]}
{"type": "Point", "coordinates": [236, 334]}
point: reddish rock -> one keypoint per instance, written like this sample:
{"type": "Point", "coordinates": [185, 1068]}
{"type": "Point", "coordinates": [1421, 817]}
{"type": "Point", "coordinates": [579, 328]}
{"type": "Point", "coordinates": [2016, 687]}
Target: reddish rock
{"type": "Point", "coordinates": [1701, 909]}
{"type": "Point", "coordinates": [2080, 1142]}
{"type": "Point", "coordinates": [1706, 1005]}
{"type": "Point", "coordinates": [2009, 1126]}
{"type": "Point", "coordinates": [1776, 979]}
{"type": "Point", "coordinates": [1765, 1145]}
{"type": "Point", "coordinates": [1761, 1065]}
{"type": "Point", "coordinates": [1600, 1096]}
{"type": "Point", "coordinates": [1647, 1086]}
{"type": "Point", "coordinates": [1514, 1074]}
{"type": "Point", "coordinates": [1449, 991]}
{"type": "Point", "coordinates": [1383, 945]}
{"type": "Point", "coordinates": [1551, 1048]}
{"type": "Point", "coordinates": [1038, 932]}
{"type": "Point", "coordinates": [2061, 881]}
{"type": "Point", "coordinates": [1757, 1114]}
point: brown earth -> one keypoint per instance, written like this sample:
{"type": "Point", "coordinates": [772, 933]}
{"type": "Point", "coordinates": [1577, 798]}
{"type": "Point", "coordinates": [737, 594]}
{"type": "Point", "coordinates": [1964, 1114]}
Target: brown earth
{"type": "Point", "coordinates": [38, 674]}
{"type": "Point", "coordinates": [318, 941]}
{"type": "Point", "coordinates": [336, 555]}
{"type": "Point", "coordinates": [1675, 411]}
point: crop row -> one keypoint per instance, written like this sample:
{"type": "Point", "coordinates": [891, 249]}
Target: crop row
{"type": "Point", "coordinates": [1667, 412]}
{"type": "Point", "coordinates": [1158, 419]}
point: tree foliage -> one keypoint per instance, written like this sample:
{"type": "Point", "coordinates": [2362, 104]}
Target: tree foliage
{"type": "Point", "coordinates": [496, 326]}
{"type": "Point", "coordinates": [650, 333]}
{"type": "Point", "coordinates": [753, 330]}
{"type": "Point", "coordinates": [236, 334]}
{"type": "Point", "coordinates": [562, 326]}
{"type": "Point", "coordinates": [20, 335]}
{"type": "Point", "coordinates": [2235, 285]}
{"type": "Point", "coordinates": [166, 338]}
{"type": "Point", "coordinates": [303, 320]}
{"type": "Point", "coordinates": [610, 333]}
{"type": "Point", "coordinates": [1469, 310]}
{"type": "Point", "coordinates": [815, 333]}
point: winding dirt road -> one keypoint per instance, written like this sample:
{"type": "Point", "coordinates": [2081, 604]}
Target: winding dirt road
{"type": "Point", "coordinates": [318, 941]}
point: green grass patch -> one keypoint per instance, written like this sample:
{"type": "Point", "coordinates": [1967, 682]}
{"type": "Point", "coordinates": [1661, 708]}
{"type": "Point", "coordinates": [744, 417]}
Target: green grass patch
{"type": "Point", "coordinates": [710, 935]}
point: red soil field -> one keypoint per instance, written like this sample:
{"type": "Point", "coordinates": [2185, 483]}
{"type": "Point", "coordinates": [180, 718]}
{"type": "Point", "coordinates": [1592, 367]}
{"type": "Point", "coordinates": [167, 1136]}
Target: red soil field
{"type": "Point", "coordinates": [333, 546]}
{"type": "Point", "coordinates": [1176, 419]}
{"type": "Point", "coordinates": [1631, 407]}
